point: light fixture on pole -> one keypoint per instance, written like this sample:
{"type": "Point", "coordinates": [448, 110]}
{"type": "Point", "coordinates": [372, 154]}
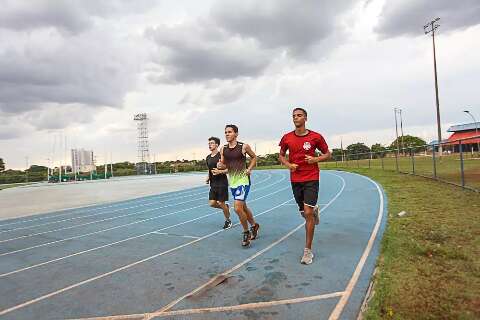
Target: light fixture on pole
{"type": "Point", "coordinates": [430, 28]}
{"type": "Point", "coordinates": [476, 127]}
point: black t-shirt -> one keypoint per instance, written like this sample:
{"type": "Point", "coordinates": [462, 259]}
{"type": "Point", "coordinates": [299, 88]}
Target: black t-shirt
{"type": "Point", "coordinates": [220, 180]}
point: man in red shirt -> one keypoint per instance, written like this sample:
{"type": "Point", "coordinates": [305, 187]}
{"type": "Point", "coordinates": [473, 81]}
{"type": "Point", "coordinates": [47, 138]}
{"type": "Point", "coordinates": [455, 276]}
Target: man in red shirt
{"type": "Point", "coordinates": [304, 172]}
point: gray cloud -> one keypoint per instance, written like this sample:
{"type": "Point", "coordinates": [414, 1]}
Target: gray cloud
{"type": "Point", "coordinates": [53, 116]}
{"type": "Point", "coordinates": [228, 94]}
{"type": "Point", "coordinates": [407, 17]}
{"type": "Point", "coordinates": [292, 25]}
{"type": "Point", "coordinates": [90, 69]}
{"type": "Point", "coordinates": [72, 16]}
{"type": "Point", "coordinates": [239, 43]}
{"type": "Point", "coordinates": [193, 53]}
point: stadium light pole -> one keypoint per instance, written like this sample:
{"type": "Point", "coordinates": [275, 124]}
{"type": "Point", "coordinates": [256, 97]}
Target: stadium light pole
{"type": "Point", "coordinates": [430, 28]}
{"type": "Point", "coordinates": [476, 127]}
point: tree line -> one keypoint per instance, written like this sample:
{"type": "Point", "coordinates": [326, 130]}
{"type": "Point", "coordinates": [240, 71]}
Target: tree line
{"type": "Point", "coordinates": [39, 173]}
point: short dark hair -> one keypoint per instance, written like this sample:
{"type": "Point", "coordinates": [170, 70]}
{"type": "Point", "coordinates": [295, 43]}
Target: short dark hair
{"type": "Point", "coordinates": [301, 109]}
{"type": "Point", "coordinates": [217, 141]}
{"type": "Point", "coordinates": [234, 127]}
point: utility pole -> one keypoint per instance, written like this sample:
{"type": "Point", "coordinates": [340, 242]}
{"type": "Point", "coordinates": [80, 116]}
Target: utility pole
{"type": "Point", "coordinates": [111, 164]}
{"type": "Point", "coordinates": [396, 129]}
{"type": "Point", "coordinates": [341, 148]}
{"type": "Point", "coordinates": [26, 170]}
{"type": "Point", "coordinates": [430, 28]}
{"type": "Point", "coordinates": [401, 129]}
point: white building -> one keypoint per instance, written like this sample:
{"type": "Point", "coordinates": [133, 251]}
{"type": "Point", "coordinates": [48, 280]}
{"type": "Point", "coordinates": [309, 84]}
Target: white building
{"type": "Point", "coordinates": [82, 161]}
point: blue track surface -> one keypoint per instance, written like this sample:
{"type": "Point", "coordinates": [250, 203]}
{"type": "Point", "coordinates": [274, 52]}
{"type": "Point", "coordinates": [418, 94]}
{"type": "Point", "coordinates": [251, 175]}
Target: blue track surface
{"type": "Point", "coordinates": [149, 255]}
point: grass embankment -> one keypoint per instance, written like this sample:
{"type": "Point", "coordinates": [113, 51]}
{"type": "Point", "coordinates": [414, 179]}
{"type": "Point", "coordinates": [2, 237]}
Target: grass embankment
{"type": "Point", "coordinates": [13, 185]}
{"type": "Point", "coordinates": [448, 167]}
{"type": "Point", "coordinates": [429, 265]}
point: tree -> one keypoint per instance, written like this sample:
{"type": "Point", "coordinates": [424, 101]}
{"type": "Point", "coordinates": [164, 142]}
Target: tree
{"type": "Point", "coordinates": [2, 165]}
{"type": "Point", "coordinates": [359, 149]}
{"type": "Point", "coordinates": [34, 168]}
{"type": "Point", "coordinates": [378, 150]}
{"type": "Point", "coordinates": [408, 141]}
{"type": "Point", "coordinates": [337, 154]}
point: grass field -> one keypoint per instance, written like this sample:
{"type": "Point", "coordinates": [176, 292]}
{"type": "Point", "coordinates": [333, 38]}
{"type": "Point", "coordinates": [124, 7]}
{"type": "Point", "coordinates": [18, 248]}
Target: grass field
{"type": "Point", "coordinates": [12, 185]}
{"type": "Point", "coordinates": [447, 167]}
{"type": "Point", "coordinates": [429, 266]}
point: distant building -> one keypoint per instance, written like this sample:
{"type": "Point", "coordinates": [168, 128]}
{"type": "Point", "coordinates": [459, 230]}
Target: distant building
{"type": "Point", "coordinates": [468, 133]}
{"type": "Point", "coordinates": [82, 161]}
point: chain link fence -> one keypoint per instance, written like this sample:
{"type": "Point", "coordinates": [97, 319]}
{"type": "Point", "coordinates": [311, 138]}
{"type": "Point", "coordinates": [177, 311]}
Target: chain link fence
{"type": "Point", "coordinates": [458, 163]}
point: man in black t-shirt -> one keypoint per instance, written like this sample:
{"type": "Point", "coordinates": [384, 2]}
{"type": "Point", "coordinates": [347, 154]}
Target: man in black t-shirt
{"type": "Point", "coordinates": [218, 182]}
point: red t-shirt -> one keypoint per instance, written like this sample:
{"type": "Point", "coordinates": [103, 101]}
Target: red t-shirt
{"type": "Point", "coordinates": [299, 147]}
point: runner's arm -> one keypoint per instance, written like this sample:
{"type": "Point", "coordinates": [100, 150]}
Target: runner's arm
{"type": "Point", "coordinates": [221, 163]}
{"type": "Point", "coordinates": [283, 160]}
{"type": "Point", "coordinates": [253, 157]}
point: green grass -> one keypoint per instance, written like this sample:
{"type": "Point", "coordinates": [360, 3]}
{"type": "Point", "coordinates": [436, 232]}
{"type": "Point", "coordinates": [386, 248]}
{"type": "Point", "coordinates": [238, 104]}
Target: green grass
{"type": "Point", "coordinates": [447, 167]}
{"type": "Point", "coordinates": [6, 186]}
{"type": "Point", "coordinates": [429, 265]}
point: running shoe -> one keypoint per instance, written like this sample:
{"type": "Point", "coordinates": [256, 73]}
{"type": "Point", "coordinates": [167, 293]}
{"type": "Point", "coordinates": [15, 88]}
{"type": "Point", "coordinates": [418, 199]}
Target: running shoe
{"type": "Point", "coordinates": [307, 256]}
{"type": "Point", "coordinates": [246, 238]}
{"type": "Point", "coordinates": [228, 224]}
{"type": "Point", "coordinates": [316, 214]}
{"type": "Point", "coordinates": [254, 231]}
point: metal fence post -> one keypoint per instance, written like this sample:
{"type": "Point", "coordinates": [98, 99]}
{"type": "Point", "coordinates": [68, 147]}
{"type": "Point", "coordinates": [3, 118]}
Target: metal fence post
{"type": "Point", "coordinates": [434, 162]}
{"type": "Point", "coordinates": [381, 157]}
{"type": "Point", "coordinates": [462, 173]}
{"type": "Point", "coordinates": [358, 163]}
{"type": "Point", "coordinates": [369, 160]}
{"type": "Point", "coordinates": [396, 160]}
{"type": "Point", "coordinates": [413, 160]}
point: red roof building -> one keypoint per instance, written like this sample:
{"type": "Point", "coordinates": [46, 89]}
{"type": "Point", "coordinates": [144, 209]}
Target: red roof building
{"type": "Point", "coordinates": [468, 134]}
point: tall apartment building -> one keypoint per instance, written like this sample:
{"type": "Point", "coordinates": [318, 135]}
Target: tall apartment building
{"type": "Point", "coordinates": [82, 161]}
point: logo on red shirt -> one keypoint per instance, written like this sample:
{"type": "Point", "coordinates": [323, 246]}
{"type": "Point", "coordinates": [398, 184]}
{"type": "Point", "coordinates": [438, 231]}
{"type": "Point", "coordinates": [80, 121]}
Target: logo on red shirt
{"type": "Point", "coordinates": [307, 145]}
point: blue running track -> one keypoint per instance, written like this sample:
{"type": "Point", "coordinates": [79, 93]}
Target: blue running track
{"type": "Point", "coordinates": [166, 256]}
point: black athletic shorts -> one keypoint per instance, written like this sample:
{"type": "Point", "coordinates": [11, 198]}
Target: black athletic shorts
{"type": "Point", "coordinates": [218, 193]}
{"type": "Point", "coordinates": [305, 193]}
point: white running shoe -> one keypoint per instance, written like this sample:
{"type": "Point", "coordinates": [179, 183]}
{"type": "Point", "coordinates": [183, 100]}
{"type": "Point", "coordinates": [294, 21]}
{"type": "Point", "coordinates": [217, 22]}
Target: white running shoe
{"type": "Point", "coordinates": [316, 215]}
{"type": "Point", "coordinates": [307, 256]}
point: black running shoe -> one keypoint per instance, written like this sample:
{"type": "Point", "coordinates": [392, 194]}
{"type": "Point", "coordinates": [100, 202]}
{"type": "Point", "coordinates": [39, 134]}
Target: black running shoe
{"type": "Point", "coordinates": [246, 238]}
{"type": "Point", "coordinates": [227, 224]}
{"type": "Point", "coordinates": [254, 231]}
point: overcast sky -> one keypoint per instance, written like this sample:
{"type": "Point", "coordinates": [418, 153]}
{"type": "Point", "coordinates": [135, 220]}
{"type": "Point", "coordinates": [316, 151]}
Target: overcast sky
{"type": "Point", "coordinates": [79, 70]}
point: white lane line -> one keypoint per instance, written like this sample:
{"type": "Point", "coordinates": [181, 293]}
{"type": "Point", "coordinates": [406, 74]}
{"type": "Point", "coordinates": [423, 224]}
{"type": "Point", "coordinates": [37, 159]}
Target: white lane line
{"type": "Point", "coordinates": [102, 220]}
{"type": "Point", "coordinates": [98, 221]}
{"type": "Point", "coordinates": [107, 212]}
{"type": "Point", "coordinates": [175, 235]}
{"type": "Point", "coordinates": [173, 303]}
{"type": "Point", "coordinates": [356, 274]}
{"type": "Point", "coordinates": [120, 226]}
{"type": "Point", "coordinates": [240, 307]}
{"type": "Point", "coordinates": [78, 284]}
{"type": "Point", "coordinates": [94, 207]}
{"type": "Point", "coordinates": [124, 240]}
{"type": "Point", "coordinates": [102, 246]}
{"type": "Point", "coordinates": [101, 213]}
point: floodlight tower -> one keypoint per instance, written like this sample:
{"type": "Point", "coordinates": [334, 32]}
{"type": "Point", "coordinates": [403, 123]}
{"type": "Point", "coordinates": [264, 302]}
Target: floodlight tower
{"type": "Point", "coordinates": [142, 141]}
